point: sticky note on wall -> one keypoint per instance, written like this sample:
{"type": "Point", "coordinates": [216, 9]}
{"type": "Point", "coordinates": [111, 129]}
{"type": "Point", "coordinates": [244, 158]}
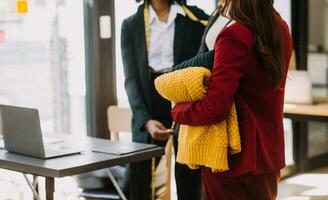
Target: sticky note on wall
{"type": "Point", "coordinates": [22, 6]}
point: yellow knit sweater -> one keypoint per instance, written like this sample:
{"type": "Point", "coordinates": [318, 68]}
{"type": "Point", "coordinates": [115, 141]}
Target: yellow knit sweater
{"type": "Point", "coordinates": [200, 145]}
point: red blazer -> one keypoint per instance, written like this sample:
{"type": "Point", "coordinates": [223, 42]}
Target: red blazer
{"type": "Point", "coordinates": [238, 77]}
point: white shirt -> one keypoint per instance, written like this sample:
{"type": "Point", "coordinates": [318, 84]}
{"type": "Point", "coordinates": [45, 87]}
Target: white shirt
{"type": "Point", "coordinates": [215, 30]}
{"type": "Point", "coordinates": [161, 55]}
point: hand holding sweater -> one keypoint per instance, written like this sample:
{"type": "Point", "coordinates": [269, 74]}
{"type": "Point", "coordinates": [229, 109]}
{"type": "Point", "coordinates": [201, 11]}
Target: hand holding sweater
{"type": "Point", "coordinates": [196, 143]}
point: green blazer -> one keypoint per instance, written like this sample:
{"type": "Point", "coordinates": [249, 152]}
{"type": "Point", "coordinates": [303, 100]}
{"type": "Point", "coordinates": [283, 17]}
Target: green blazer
{"type": "Point", "coordinates": [137, 83]}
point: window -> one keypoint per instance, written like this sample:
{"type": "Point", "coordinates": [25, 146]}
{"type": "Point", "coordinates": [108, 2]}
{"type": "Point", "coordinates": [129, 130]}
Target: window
{"type": "Point", "coordinates": [42, 61]}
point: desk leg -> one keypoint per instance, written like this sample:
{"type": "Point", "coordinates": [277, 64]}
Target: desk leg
{"type": "Point", "coordinates": [116, 185]}
{"type": "Point", "coordinates": [300, 145]}
{"type": "Point", "coordinates": [32, 186]}
{"type": "Point", "coordinates": [36, 184]}
{"type": "Point", "coordinates": [50, 188]}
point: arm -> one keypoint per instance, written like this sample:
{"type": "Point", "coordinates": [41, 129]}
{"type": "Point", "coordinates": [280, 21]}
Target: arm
{"type": "Point", "coordinates": [200, 60]}
{"type": "Point", "coordinates": [132, 82]}
{"type": "Point", "coordinates": [229, 67]}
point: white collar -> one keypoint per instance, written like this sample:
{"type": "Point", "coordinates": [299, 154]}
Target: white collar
{"type": "Point", "coordinates": [175, 9]}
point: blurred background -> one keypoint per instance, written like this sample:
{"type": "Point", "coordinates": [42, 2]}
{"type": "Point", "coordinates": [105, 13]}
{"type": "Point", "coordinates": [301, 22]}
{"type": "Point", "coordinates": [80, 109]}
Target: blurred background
{"type": "Point", "coordinates": [63, 57]}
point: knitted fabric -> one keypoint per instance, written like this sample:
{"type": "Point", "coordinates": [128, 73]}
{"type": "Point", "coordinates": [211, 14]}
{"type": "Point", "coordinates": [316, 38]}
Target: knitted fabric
{"type": "Point", "coordinates": [200, 145]}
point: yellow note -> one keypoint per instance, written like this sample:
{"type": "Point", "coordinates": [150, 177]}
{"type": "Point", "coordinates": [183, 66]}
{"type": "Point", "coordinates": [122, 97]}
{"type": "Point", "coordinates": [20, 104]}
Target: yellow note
{"type": "Point", "coordinates": [22, 6]}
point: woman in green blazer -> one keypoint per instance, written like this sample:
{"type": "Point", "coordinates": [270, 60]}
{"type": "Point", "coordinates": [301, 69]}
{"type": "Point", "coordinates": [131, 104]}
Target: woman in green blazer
{"type": "Point", "coordinates": [160, 35]}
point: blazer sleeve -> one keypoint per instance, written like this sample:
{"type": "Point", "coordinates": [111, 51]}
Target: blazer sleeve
{"type": "Point", "coordinates": [231, 51]}
{"type": "Point", "coordinates": [132, 81]}
{"type": "Point", "coordinates": [200, 60]}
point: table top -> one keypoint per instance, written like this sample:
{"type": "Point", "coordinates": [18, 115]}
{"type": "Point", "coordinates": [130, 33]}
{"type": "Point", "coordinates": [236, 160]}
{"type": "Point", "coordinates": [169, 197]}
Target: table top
{"type": "Point", "coordinates": [316, 111]}
{"type": "Point", "coordinates": [74, 164]}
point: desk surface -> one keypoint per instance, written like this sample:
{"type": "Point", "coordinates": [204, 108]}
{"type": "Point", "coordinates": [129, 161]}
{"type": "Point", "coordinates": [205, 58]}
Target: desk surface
{"type": "Point", "coordinates": [318, 110]}
{"type": "Point", "coordinates": [74, 164]}
{"type": "Point", "coordinates": [315, 110]}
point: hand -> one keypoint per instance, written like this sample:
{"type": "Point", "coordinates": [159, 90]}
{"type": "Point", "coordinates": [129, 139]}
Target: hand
{"type": "Point", "coordinates": [157, 130]}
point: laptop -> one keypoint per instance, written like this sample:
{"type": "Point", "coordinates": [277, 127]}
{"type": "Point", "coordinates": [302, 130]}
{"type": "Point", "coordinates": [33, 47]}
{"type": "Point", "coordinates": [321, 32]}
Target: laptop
{"type": "Point", "coordinates": [22, 134]}
{"type": "Point", "coordinates": [121, 148]}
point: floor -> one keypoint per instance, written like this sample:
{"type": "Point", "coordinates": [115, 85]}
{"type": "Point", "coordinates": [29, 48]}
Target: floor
{"type": "Point", "coordinates": [14, 187]}
{"type": "Point", "coordinates": [308, 186]}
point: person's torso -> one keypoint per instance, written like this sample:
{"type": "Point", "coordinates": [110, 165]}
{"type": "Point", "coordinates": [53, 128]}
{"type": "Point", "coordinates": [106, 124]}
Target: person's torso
{"type": "Point", "coordinates": [260, 114]}
{"type": "Point", "coordinates": [161, 39]}
{"type": "Point", "coordinates": [186, 41]}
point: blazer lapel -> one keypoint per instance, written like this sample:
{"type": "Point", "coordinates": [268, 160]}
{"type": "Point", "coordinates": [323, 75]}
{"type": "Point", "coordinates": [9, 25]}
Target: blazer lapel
{"type": "Point", "coordinates": [179, 35]}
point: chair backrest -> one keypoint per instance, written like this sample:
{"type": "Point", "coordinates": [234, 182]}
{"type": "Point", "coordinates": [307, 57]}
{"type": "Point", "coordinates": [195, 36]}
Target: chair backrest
{"type": "Point", "coordinates": [119, 120]}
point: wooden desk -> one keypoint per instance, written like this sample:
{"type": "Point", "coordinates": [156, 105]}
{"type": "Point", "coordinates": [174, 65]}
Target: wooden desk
{"type": "Point", "coordinates": [316, 112]}
{"type": "Point", "coordinates": [73, 164]}
{"type": "Point", "coordinates": [300, 116]}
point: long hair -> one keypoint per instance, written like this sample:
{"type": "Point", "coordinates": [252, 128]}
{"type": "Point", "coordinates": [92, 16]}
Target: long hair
{"type": "Point", "coordinates": [261, 17]}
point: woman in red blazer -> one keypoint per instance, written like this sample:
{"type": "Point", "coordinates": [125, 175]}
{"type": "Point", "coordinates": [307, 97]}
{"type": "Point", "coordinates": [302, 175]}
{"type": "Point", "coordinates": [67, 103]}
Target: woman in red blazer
{"type": "Point", "coordinates": [250, 66]}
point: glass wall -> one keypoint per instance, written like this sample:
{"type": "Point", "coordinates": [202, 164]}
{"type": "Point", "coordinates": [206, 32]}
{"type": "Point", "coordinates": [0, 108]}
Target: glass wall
{"type": "Point", "coordinates": [42, 61]}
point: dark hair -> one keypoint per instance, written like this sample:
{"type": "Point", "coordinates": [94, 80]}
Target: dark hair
{"type": "Point", "coordinates": [170, 1]}
{"type": "Point", "coordinates": [261, 17]}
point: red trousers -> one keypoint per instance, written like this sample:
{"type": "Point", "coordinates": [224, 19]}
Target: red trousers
{"type": "Point", "coordinates": [246, 187]}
